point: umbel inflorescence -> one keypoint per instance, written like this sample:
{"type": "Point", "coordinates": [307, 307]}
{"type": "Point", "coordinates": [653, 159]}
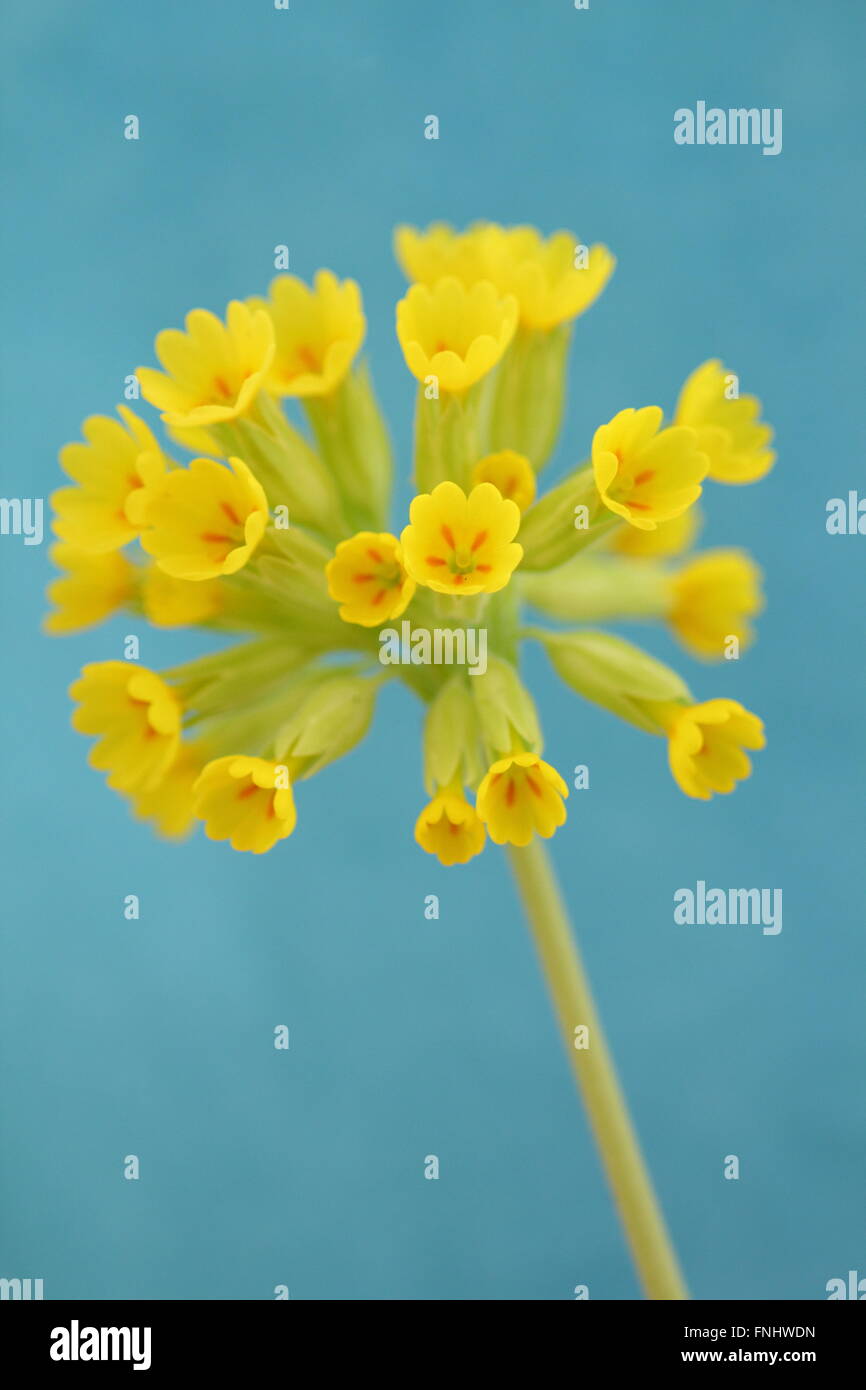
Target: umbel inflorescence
{"type": "Point", "coordinates": [274, 532]}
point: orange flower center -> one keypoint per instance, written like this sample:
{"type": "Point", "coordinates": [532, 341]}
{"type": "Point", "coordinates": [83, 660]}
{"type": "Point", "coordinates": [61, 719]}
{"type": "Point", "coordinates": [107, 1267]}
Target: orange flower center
{"type": "Point", "coordinates": [386, 575]}
{"type": "Point", "coordinates": [516, 776]}
{"type": "Point", "coordinates": [459, 560]}
{"type": "Point", "coordinates": [627, 484]}
{"type": "Point", "coordinates": [251, 788]}
{"type": "Point", "coordinates": [230, 538]}
{"type": "Point", "coordinates": [306, 360]}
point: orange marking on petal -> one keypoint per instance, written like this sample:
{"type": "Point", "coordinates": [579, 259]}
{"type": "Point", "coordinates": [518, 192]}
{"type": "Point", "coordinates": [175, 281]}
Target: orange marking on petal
{"type": "Point", "coordinates": [228, 510]}
{"type": "Point", "coordinates": [484, 569]}
{"type": "Point", "coordinates": [479, 540]}
{"type": "Point", "coordinates": [644, 477]}
{"type": "Point", "coordinates": [448, 536]}
{"type": "Point", "coordinates": [221, 386]}
{"type": "Point", "coordinates": [533, 786]}
{"type": "Point", "coordinates": [375, 556]}
{"type": "Point", "coordinates": [247, 791]}
{"type": "Point", "coordinates": [272, 810]}
{"type": "Point", "coordinates": [363, 578]}
{"type": "Point", "coordinates": [213, 538]}
{"type": "Point", "coordinates": [378, 598]}
{"type": "Point", "coordinates": [639, 506]}
{"type": "Point", "coordinates": [510, 794]}
{"type": "Point", "coordinates": [433, 560]}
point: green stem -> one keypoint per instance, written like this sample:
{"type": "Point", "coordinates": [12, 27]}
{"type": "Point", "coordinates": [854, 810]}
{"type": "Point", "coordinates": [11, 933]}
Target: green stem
{"type": "Point", "coordinates": [596, 1076]}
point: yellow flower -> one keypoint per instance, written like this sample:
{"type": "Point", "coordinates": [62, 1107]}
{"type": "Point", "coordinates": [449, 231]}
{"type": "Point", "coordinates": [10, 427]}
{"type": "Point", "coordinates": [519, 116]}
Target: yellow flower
{"type": "Point", "coordinates": [706, 742]}
{"type": "Point", "coordinates": [318, 333]}
{"type": "Point", "coordinates": [368, 578]}
{"type": "Point", "coordinates": [712, 599]}
{"type": "Point", "coordinates": [453, 333]}
{"type": "Point", "coordinates": [520, 796]}
{"type": "Point", "coordinates": [669, 537]}
{"type": "Point", "coordinates": [213, 371]}
{"type": "Point", "coordinates": [450, 827]}
{"type": "Point", "coordinates": [91, 589]}
{"type": "Point", "coordinates": [247, 801]}
{"type": "Point", "coordinates": [550, 288]}
{"type": "Point", "coordinates": [169, 602]}
{"type": "Point", "coordinates": [430, 255]}
{"type": "Point", "coordinates": [169, 804]}
{"type": "Point", "coordinates": [550, 280]}
{"type": "Point", "coordinates": [462, 545]}
{"type": "Point", "coordinates": [510, 473]}
{"type": "Point", "coordinates": [136, 717]}
{"type": "Point", "coordinates": [644, 473]}
{"type": "Point", "coordinates": [730, 432]}
{"type": "Point", "coordinates": [110, 469]}
{"type": "Point", "coordinates": [205, 520]}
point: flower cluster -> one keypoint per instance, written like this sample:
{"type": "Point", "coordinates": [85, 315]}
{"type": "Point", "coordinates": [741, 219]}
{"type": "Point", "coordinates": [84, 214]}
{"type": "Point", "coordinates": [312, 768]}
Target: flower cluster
{"type": "Point", "coordinates": [273, 532]}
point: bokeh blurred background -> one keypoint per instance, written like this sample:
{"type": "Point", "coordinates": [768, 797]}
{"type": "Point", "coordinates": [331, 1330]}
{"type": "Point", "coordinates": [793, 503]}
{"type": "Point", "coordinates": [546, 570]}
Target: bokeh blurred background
{"type": "Point", "coordinates": [411, 1037]}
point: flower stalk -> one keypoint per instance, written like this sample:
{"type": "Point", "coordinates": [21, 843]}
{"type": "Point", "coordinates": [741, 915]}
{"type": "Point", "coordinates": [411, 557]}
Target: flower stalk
{"type": "Point", "coordinates": [595, 1073]}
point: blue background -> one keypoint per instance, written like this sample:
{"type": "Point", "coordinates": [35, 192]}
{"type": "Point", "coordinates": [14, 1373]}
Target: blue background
{"type": "Point", "coordinates": [411, 1037]}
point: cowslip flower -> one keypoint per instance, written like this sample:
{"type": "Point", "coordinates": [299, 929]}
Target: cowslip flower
{"type": "Point", "coordinates": [91, 588]}
{"type": "Point", "coordinates": [276, 534]}
{"type": "Point", "coordinates": [510, 473]}
{"type": "Point", "coordinates": [456, 544]}
{"type": "Point", "coordinates": [728, 425]}
{"type": "Point", "coordinates": [168, 804]}
{"type": "Point", "coordinates": [644, 473]}
{"type": "Point", "coordinates": [109, 470]}
{"type": "Point", "coordinates": [205, 520]}
{"type": "Point", "coordinates": [247, 801]}
{"type": "Point", "coordinates": [170, 602]}
{"type": "Point", "coordinates": [317, 333]}
{"type": "Point", "coordinates": [554, 279]}
{"type": "Point", "coordinates": [324, 585]}
{"type": "Point", "coordinates": [369, 580]}
{"type": "Point", "coordinates": [429, 255]}
{"type": "Point", "coordinates": [136, 718]}
{"type": "Point", "coordinates": [519, 797]}
{"type": "Point", "coordinates": [712, 599]}
{"type": "Point", "coordinates": [216, 556]}
{"type": "Point", "coordinates": [453, 333]}
{"type": "Point", "coordinates": [706, 745]}
{"type": "Point", "coordinates": [450, 827]}
{"type": "Point", "coordinates": [213, 371]}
